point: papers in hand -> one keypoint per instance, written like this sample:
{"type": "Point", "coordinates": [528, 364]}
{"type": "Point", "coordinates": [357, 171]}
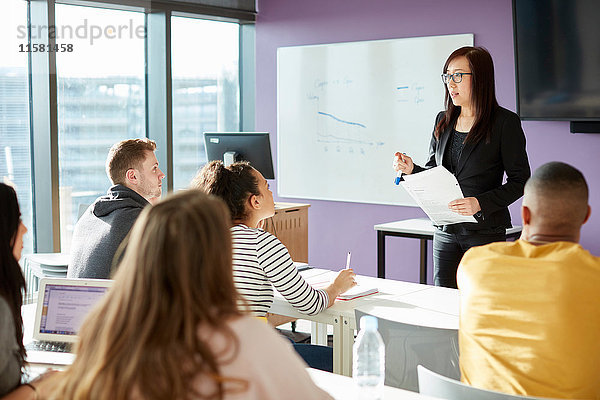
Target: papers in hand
{"type": "Point", "coordinates": [433, 189]}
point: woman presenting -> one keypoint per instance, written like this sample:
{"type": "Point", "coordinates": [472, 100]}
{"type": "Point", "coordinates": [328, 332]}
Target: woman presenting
{"type": "Point", "coordinates": [478, 141]}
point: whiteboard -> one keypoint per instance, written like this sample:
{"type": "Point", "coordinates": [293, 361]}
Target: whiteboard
{"type": "Point", "coordinates": [343, 110]}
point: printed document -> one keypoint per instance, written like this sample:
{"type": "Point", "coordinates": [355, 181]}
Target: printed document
{"type": "Point", "coordinates": [433, 189]}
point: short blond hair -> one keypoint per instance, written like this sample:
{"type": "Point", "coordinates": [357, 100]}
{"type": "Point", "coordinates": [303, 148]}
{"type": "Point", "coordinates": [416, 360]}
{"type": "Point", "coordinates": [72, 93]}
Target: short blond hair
{"type": "Point", "coordinates": [125, 155]}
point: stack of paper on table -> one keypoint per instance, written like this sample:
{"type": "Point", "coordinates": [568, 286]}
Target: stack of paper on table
{"type": "Point", "coordinates": [357, 292]}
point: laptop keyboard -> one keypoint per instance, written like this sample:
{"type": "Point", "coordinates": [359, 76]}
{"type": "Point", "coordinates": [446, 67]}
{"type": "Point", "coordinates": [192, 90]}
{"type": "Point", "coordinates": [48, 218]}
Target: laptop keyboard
{"type": "Point", "coordinates": [40, 345]}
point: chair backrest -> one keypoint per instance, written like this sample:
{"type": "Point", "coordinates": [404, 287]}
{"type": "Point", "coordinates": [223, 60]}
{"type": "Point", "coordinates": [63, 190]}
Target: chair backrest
{"type": "Point", "coordinates": [436, 385]}
{"type": "Point", "coordinates": [407, 346]}
{"type": "Point", "coordinates": [81, 209]}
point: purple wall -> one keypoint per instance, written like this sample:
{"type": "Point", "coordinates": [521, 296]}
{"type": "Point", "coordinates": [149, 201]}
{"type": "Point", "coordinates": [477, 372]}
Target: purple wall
{"type": "Point", "coordinates": [336, 227]}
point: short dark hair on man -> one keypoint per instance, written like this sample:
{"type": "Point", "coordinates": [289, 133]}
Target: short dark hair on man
{"type": "Point", "coordinates": [125, 155]}
{"type": "Point", "coordinates": [559, 178]}
{"type": "Point", "coordinates": [558, 193]}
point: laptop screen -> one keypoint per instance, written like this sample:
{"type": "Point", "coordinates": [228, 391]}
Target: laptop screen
{"type": "Point", "coordinates": [66, 306]}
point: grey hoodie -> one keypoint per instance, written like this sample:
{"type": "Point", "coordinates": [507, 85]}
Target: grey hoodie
{"type": "Point", "coordinates": [100, 231]}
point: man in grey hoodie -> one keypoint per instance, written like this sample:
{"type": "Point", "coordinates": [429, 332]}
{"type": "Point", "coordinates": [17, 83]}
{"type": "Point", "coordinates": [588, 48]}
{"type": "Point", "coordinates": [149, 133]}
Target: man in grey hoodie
{"type": "Point", "coordinates": [132, 167]}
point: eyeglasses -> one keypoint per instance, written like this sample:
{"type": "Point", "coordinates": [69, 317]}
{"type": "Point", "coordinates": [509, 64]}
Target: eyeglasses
{"type": "Point", "coordinates": [456, 77]}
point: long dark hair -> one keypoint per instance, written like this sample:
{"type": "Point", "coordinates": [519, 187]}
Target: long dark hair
{"type": "Point", "coordinates": [483, 94]}
{"type": "Point", "coordinates": [175, 277]}
{"type": "Point", "coordinates": [12, 282]}
{"type": "Point", "coordinates": [234, 184]}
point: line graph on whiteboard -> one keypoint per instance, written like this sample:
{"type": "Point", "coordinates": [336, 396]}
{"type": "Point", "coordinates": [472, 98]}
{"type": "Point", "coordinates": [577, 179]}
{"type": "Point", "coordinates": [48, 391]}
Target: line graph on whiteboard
{"type": "Point", "coordinates": [337, 133]}
{"type": "Point", "coordinates": [344, 131]}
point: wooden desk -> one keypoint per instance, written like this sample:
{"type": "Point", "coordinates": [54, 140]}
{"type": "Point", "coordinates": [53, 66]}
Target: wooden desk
{"type": "Point", "coordinates": [290, 225]}
{"type": "Point", "coordinates": [417, 228]}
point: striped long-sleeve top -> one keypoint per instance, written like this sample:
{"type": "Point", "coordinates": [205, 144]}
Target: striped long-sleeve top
{"type": "Point", "coordinates": [261, 262]}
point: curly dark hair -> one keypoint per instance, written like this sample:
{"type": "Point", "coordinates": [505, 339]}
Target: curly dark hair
{"type": "Point", "coordinates": [234, 184]}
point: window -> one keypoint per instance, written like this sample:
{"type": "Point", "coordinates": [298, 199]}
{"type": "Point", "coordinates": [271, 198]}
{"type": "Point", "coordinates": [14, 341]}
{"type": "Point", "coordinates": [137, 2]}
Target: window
{"type": "Point", "coordinates": [15, 154]}
{"type": "Point", "coordinates": [102, 94]}
{"type": "Point", "coordinates": [205, 81]}
{"type": "Point", "coordinates": [100, 100]}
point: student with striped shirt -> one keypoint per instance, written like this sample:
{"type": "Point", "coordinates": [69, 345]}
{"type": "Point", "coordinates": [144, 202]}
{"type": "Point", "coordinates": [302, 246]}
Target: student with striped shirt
{"type": "Point", "coordinates": [260, 260]}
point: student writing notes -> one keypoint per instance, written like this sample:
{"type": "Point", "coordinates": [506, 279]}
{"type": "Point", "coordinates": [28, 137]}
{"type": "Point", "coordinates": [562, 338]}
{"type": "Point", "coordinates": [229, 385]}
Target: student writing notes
{"type": "Point", "coordinates": [260, 260]}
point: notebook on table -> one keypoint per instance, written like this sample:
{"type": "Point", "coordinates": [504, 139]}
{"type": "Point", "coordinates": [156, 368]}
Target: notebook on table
{"type": "Point", "coordinates": [62, 306]}
{"type": "Point", "coordinates": [358, 291]}
{"type": "Point", "coordinates": [362, 289]}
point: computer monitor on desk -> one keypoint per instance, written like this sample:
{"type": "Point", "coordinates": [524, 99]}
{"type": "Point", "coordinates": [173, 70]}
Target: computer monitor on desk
{"type": "Point", "coordinates": [230, 147]}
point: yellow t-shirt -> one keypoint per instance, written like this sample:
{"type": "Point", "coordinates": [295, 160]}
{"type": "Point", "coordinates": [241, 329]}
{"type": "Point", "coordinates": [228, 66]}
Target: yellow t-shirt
{"type": "Point", "coordinates": [530, 319]}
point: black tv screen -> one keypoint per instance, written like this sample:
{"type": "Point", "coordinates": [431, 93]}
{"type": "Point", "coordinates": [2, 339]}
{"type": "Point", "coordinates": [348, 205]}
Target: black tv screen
{"type": "Point", "coordinates": [557, 56]}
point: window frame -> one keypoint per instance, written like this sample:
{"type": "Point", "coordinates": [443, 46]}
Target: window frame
{"type": "Point", "coordinates": [159, 110]}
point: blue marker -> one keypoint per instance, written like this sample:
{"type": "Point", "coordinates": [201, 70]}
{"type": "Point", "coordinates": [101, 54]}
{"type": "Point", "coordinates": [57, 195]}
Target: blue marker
{"type": "Point", "coordinates": [399, 174]}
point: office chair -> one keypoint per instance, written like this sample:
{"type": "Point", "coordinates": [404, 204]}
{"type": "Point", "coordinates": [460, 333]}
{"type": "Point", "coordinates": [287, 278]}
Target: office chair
{"type": "Point", "coordinates": [407, 346]}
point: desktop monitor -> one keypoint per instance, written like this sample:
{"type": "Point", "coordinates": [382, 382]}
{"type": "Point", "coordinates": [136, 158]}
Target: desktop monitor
{"type": "Point", "coordinates": [229, 147]}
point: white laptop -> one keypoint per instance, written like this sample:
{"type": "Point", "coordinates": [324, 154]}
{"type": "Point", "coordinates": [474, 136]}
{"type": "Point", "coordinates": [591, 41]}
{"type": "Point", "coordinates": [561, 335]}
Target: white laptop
{"type": "Point", "coordinates": [62, 306]}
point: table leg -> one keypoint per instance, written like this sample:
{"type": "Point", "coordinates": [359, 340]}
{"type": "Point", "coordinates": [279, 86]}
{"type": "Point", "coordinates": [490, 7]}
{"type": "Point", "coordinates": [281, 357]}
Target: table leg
{"type": "Point", "coordinates": [347, 345]}
{"type": "Point", "coordinates": [423, 266]}
{"type": "Point", "coordinates": [338, 366]}
{"type": "Point", "coordinates": [380, 254]}
{"type": "Point", "coordinates": [318, 333]}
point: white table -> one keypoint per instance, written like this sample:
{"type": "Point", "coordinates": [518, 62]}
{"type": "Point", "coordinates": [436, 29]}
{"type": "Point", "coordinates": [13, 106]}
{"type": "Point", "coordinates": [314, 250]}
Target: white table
{"type": "Point", "coordinates": [416, 228]}
{"type": "Point", "coordinates": [342, 387]}
{"type": "Point", "coordinates": [406, 301]}
{"type": "Point", "coordinates": [338, 386]}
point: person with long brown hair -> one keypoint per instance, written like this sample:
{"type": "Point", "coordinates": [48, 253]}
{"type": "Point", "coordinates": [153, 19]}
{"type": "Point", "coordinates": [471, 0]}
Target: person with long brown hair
{"type": "Point", "coordinates": [478, 141]}
{"type": "Point", "coordinates": [260, 260]}
{"type": "Point", "coordinates": [12, 287]}
{"type": "Point", "coordinates": [170, 328]}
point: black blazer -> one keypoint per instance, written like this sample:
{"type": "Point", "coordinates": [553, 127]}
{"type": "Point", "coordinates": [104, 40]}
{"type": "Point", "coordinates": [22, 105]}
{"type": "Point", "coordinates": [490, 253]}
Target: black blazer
{"type": "Point", "coordinates": [481, 168]}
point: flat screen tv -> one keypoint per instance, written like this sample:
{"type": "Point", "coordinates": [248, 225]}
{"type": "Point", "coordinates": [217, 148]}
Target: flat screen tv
{"type": "Point", "coordinates": [229, 147]}
{"type": "Point", "coordinates": [557, 56]}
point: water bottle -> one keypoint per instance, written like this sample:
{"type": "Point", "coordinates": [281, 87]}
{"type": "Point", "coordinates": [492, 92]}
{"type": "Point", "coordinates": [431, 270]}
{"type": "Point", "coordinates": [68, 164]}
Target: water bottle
{"type": "Point", "coordinates": [368, 367]}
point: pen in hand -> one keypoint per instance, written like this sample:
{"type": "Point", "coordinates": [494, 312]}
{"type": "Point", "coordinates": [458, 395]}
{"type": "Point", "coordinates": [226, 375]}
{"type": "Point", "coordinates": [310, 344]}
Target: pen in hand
{"type": "Point", "coordinates": [348, 260]}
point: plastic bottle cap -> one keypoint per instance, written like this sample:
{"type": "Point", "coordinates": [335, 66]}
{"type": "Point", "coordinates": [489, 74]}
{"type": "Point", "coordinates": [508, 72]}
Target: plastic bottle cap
{"type": "Point", "coordinates": [368, 322]}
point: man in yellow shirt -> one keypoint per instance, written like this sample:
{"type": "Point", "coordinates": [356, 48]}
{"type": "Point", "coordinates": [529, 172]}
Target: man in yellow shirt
{"type": "Point", "coordinates": [530, 309]}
